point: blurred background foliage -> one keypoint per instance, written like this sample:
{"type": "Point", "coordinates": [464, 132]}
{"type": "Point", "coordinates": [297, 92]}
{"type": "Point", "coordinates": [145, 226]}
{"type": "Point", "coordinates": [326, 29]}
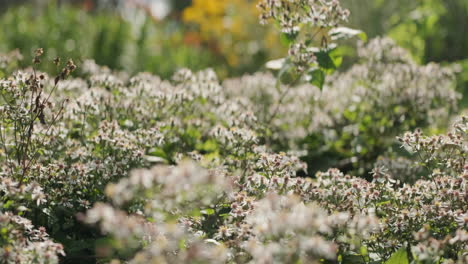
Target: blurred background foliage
{"type": "Point", "coordinates": [131, 36]}
{"type": "Point", "coordinates": [432, 30]}
{"type": "Point", "coordinates": [161, 36]}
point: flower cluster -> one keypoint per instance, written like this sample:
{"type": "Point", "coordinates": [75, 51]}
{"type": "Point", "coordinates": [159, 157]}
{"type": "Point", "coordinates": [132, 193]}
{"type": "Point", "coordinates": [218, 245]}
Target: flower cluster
{"type": "Point", "coordinates": [186, 202]}
{"type": "Point", "coordinates": [359, 112]}
{"type": "Point", "coordinates": [404, 209]}
{"type": "Point", "coordinates": [302, 234]}
{"type": "Point", "coordinates": [191, 169]}
{"type": "Point", "coordinates": [305, 23]}
{"type": "Point", "coordinates": [21, 243]}
{"type": "Point", "coordinates": [291, 15]}
{"type": "Point", "coordinates": [441, 154]}
{"type": "Point", "coordinates": [394, 94]}
{"type": "Point", "coordinates": [166, 195]}
{"type": "Point", "coordinates": [430, 249]}
{"type": "Point", "coordinates": [163, 242]}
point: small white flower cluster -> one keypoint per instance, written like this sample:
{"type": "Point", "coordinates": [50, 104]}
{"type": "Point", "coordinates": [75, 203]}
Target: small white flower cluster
{"type": "Point", "coordinates": [291, 15]}
{"type": "Point", "coordinates": [408, 208]}
{"type": "Point", "coordinates": [429, 249]}
{"type": "Point", "coordinates": [306, 22]}
{"type": "Point", "coordinates": [359, 112]}
{"type": "Point", "coordinates": [292, 119]}
{"type": "Point", "coordinates": [401, 168]}
{"type": "Point", "coordinates": [242, 197]}
{"type": "Point", "coordinates": [302, 234]}
{"type": "Point", "coordinates": [407, 90]}
{"type": "Point", "coordinates": [31, 191]}
{"type": "Point", "coordinates": [185, 184]}
{"type": "Point", "coordinates": [441, 154]}
{"type": "Point", "coordinates": [164, 194]}
{"type": "Point", "coordinates": [21, 243]}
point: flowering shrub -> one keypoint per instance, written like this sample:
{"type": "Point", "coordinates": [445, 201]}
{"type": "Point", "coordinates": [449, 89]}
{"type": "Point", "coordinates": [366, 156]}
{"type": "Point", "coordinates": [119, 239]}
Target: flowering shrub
{"type": "Point", "coordinates": [359, 112]}
{"type": "Point", "coordinates": [247, 226]}
{"type": "Point", "coordinates": [442, 154]}
{"type": "Point", "coordinates": [116, 168]}
{"type": "Point", "coordinates": [21, 243]}
{"type": "Point", "coordinates": [403, 209]}
{"type": "Point", "coordinates": [406, 95]}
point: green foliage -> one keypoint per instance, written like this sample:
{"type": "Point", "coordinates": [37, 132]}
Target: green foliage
{"type": "Point", "coordinates": [118, 166]}
{"type": "Point", "coordinates": [107, 37]}
{"type": "Point", "coordinates": [432, 31]}
{"type": "Point", "coordinates": [399, 257]}
{"type": "Point", "coordinates": [90, 163]}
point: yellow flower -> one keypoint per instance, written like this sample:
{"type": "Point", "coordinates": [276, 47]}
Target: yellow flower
{"type": "Point", "coordinates": [232, 26]}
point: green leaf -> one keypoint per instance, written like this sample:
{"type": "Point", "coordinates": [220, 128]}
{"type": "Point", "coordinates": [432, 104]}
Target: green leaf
{"type": "Point", "coordinates": [399, 257]}
{"type": "Point", "coordinates": [325, 61]}
{"type": "Point", "coordinates": [286, 39]}
{"type": "Point", "coordinates": [329, 60]}
{"type": "Point", "coordinates": [337, 56]}
{"type": "Point", "coordinates": [383, 203]}
{"type": "Point", "coordinates": [364, 253]}
{"type": "Point", "coordinates": [317, 78]}
{"type": "Point", "coordinates": [287, 74]}
{"type": "Point", "coordinates": [8, 204]}
{"type": "Point", "coordinates": [207, 146]}
{"type": "Point", "coordinates": [208, 211]}
{"type": "Point", "coordinates": [158, 153]}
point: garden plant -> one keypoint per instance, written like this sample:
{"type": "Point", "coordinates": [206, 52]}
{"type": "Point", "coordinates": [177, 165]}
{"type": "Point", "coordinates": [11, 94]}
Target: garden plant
{"type": "Point", "coordinates": [307, 160]}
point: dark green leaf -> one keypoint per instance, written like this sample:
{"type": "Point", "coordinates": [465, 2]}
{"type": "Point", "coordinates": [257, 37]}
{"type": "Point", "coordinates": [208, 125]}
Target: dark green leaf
{"type": "Point", "coordinates": [325, 61]}
{"type": "Point", "coordinates": [317, 78]}
{"type": "Point", "coordinates": [353, 259]}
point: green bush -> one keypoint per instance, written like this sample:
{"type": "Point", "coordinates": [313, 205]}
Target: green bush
{"type": "Point", "coordinates": [119, 167]}
{"type": "Point", "coordinates": [107, 37]}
